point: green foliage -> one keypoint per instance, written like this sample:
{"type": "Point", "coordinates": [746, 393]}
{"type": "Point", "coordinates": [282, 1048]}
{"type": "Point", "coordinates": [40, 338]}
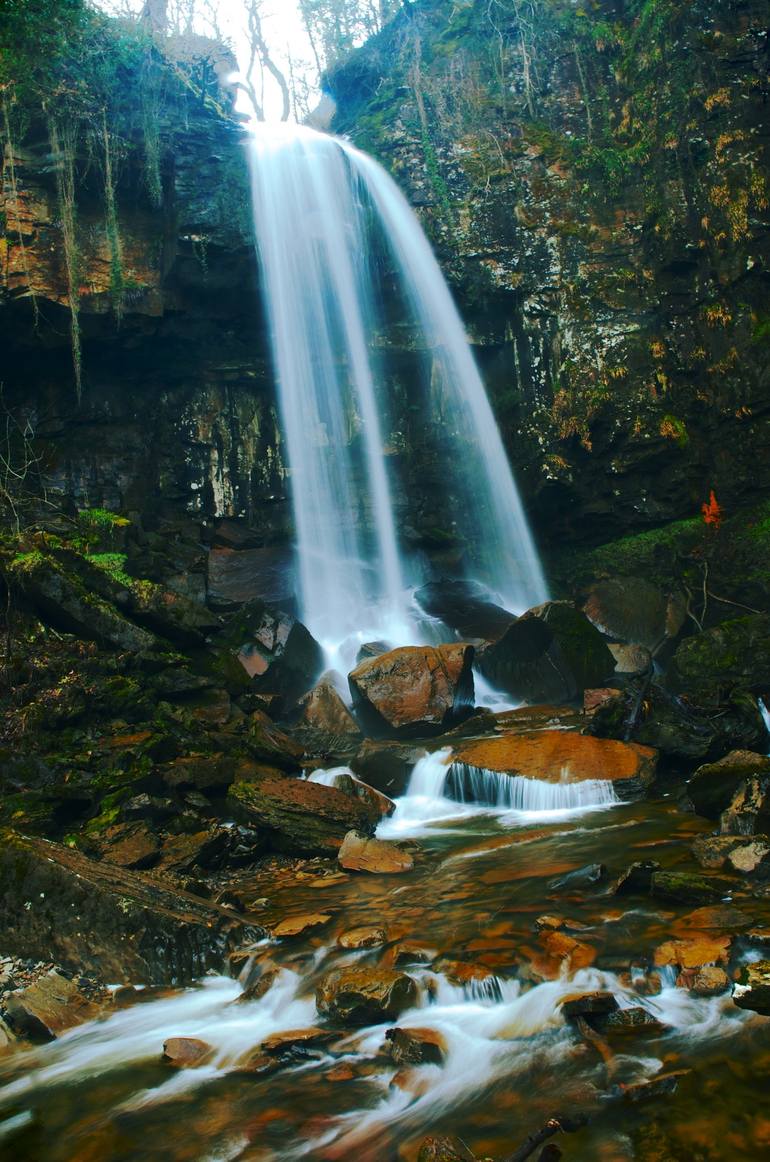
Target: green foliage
{"type": "Point", "coordinates": [102, 518]}
{"type": "Point", "coordinates": [34, 36]}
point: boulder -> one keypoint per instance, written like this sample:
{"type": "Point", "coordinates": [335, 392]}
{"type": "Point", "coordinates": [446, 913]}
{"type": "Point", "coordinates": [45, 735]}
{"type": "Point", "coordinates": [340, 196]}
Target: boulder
{"type": "Point", "coordinates": [94, 917]}
{"type": "Point", "coordinates": [688, 887]}
{"type": "Point", "coordinates": [708, 981]}
{"type": "Point", "coordinates": [702, 949]}
{"type": "Point", "coordinates": [550, 654]}
{"type": "Point", "coordinates": [362, 996]}
{"type": "Point", "coordinates": [662, 1085]}
{"type": "Point", "coordinates": [267, 743]}
{"type": "Point", "coordinates": [465, 607]}
{"type": "Point", "coordinates": [298, 816]}
{"type": "Point", "coordinates": [186, 1052]}
{"type": "Point", "coordinates": [558, 755]}
{"type": "Point", "coordinates": [325, 720]}
{"type": "Point", "coordinates": [630, 660]}
{"type": "Point", "coordinates": [749, 808]}
{"type": "Point", "coordinates": [358, 789]}
{"type": "Point", "coordinates": [276, 651]}
{"type": "Point", "coordinates": [361, 854]}
{"type": "Point", "coordinates": [735, 653]}
{"type": "Point", "coordinates": [414, 691]}
{"type": "Point", "coordinates": [733, 852]}
{"type": "Point", "coordinates": [713, 785]}
{"type": "Point", "coordinates": [416, 1046]}
{"type": "Point", "coordinates": [386, 765]}
{"type": "Point", "coordinates": [48, 1007]}
{"type": "Point", "coordinates": [588, 1005]}
{"type": "Point", "coordinates": [752, 989]}
{"type": "Point", "coordinates": [677, 727]}
{"type": "Point", "coordinates": [636, 879]}
{"type": "Point", "coordinates": [634, 610]}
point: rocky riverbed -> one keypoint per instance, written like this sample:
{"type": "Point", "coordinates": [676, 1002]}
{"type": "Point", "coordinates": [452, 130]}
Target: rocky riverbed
{"type": "Point", "coordinates": [263, 911]}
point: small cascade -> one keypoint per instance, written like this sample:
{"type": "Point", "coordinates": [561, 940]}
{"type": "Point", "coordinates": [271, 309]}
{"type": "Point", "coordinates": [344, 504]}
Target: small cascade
{"type": "Point", "coordinates": [504, 792]}
{"type": "Point", "coordinates": [331, 777]}
{"type": "Point", "coordinates": [440, 791]}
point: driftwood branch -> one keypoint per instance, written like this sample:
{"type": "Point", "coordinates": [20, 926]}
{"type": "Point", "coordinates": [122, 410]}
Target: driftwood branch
{"type": "Point", "coordinates": [560, 1125]}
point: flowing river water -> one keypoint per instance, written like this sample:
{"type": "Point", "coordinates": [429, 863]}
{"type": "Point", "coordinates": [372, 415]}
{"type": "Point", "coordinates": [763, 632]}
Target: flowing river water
{"type": "Point", "coordinates": [481, 923]}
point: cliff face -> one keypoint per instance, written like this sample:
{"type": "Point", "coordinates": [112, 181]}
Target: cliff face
{"type": "Point", "coordinates": [595, 181]}
{"type": "Point", "coordinates": [177, 417]}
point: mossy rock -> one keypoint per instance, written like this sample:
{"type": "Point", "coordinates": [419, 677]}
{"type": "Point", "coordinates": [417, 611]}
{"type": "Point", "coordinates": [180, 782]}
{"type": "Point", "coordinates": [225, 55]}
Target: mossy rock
{"type": "Point", "coordinates": [551, 654]}
{"type": "Point", "coordinates": [735, 653]}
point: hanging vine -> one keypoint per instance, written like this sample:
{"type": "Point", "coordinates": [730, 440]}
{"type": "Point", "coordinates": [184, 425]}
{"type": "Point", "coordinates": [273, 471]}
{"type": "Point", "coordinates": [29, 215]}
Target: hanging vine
{"type": "Point", "coordinates": [63, 137]}
{"type": "Point", "coordinates": [109, 156]}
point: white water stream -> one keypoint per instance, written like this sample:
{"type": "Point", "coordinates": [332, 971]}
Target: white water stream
{"type": "Point", "coordinates": [488, 1033]}
{"type": "Point", "coordinates": [324, 213]}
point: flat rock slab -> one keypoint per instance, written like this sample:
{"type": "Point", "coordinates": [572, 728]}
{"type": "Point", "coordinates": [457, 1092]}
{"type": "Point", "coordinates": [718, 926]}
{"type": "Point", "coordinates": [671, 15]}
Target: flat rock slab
{"type": "Point", "coordinates": [373, 855]}
{"type": "Point", "coordinates": [296, 925]}
{"type": "Point", "coordinates": [116, 924]}
{"type": "Point", "coordinates": [49, 1007]}
{"type": "Point", "coordinates": [299, 816]}
{"type": "Point", "coordinates": [558, 755]}
{"type": "Point", "coordinates": [187, 1052]}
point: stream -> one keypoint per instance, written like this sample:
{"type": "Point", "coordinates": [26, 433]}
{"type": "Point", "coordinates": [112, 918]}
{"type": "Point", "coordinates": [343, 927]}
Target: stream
{"type": "Point", "coordinates": [467, 924]}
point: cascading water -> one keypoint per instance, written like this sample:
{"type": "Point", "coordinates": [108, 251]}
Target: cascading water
{"type": "Point", "coordinates": [440, 790]}
{"type": "Point", "coordinates": [323, 211]}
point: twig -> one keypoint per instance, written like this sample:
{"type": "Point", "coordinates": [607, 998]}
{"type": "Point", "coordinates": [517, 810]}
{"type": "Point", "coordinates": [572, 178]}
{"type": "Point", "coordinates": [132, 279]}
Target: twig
{"type": "Point", "coordinates": [737, 604]}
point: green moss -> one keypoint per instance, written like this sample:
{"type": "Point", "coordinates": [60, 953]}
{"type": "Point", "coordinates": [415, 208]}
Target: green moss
{"type": "Point", "coordinates": [113, 564]}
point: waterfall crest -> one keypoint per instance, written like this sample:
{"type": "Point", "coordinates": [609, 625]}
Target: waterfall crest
{"type": "Point", "coordinates": [324, 213]}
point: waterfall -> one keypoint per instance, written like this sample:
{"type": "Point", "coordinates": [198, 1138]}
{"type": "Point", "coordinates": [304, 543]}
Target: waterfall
{"type": "Point", "coordinates": [324, 214]}
{"type": "Point", "coordinates": [763, 710]}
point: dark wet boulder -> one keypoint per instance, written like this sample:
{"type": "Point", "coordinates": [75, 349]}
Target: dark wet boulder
{"type": "Point", "coordinates": [748, 812]}
{"type": "Point", "coordinates": [267, 743]}
{"type": "Point", "coordinates": [735, 653]}
{"type": "Point", "coordinates": [632, 609]}
{"type": "Point", "coordinates": [414, 691]}
{"type": "Point", "coordinates": [386, 764]}
{"type": "Point", "coordinates": [677, 727]}
{"type": "Point", "coordinates": [466, 607]}
{"type": "Point", "coordinates": [416, 1046]}
{"type": "Point", "coordinates": [365, 995]}
{"type": "Point", "coordinates": [299, 816]}
{"type": "Point", "coordinates": [752, 989]}
{"type": "Point", "coordinates": [550, 654]}
{"type": "Point", "coordinates": [276, 652]}
{"type": "Point", "coordinates": [636, 879]}
{"type": "Point", "coordinates": [714, 785]}
{"type": "Point", "coordinates": [689, 887]}
{"type": "Point", "coordinates": [94, 917]}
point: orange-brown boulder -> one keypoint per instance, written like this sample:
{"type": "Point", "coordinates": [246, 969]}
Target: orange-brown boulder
{"type": "Point", "coordinates": [186, 1052]}
{"type": "Point", "coordinates": [414, 691]}
{"type": "Point", "coordinates": [562, 755]}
